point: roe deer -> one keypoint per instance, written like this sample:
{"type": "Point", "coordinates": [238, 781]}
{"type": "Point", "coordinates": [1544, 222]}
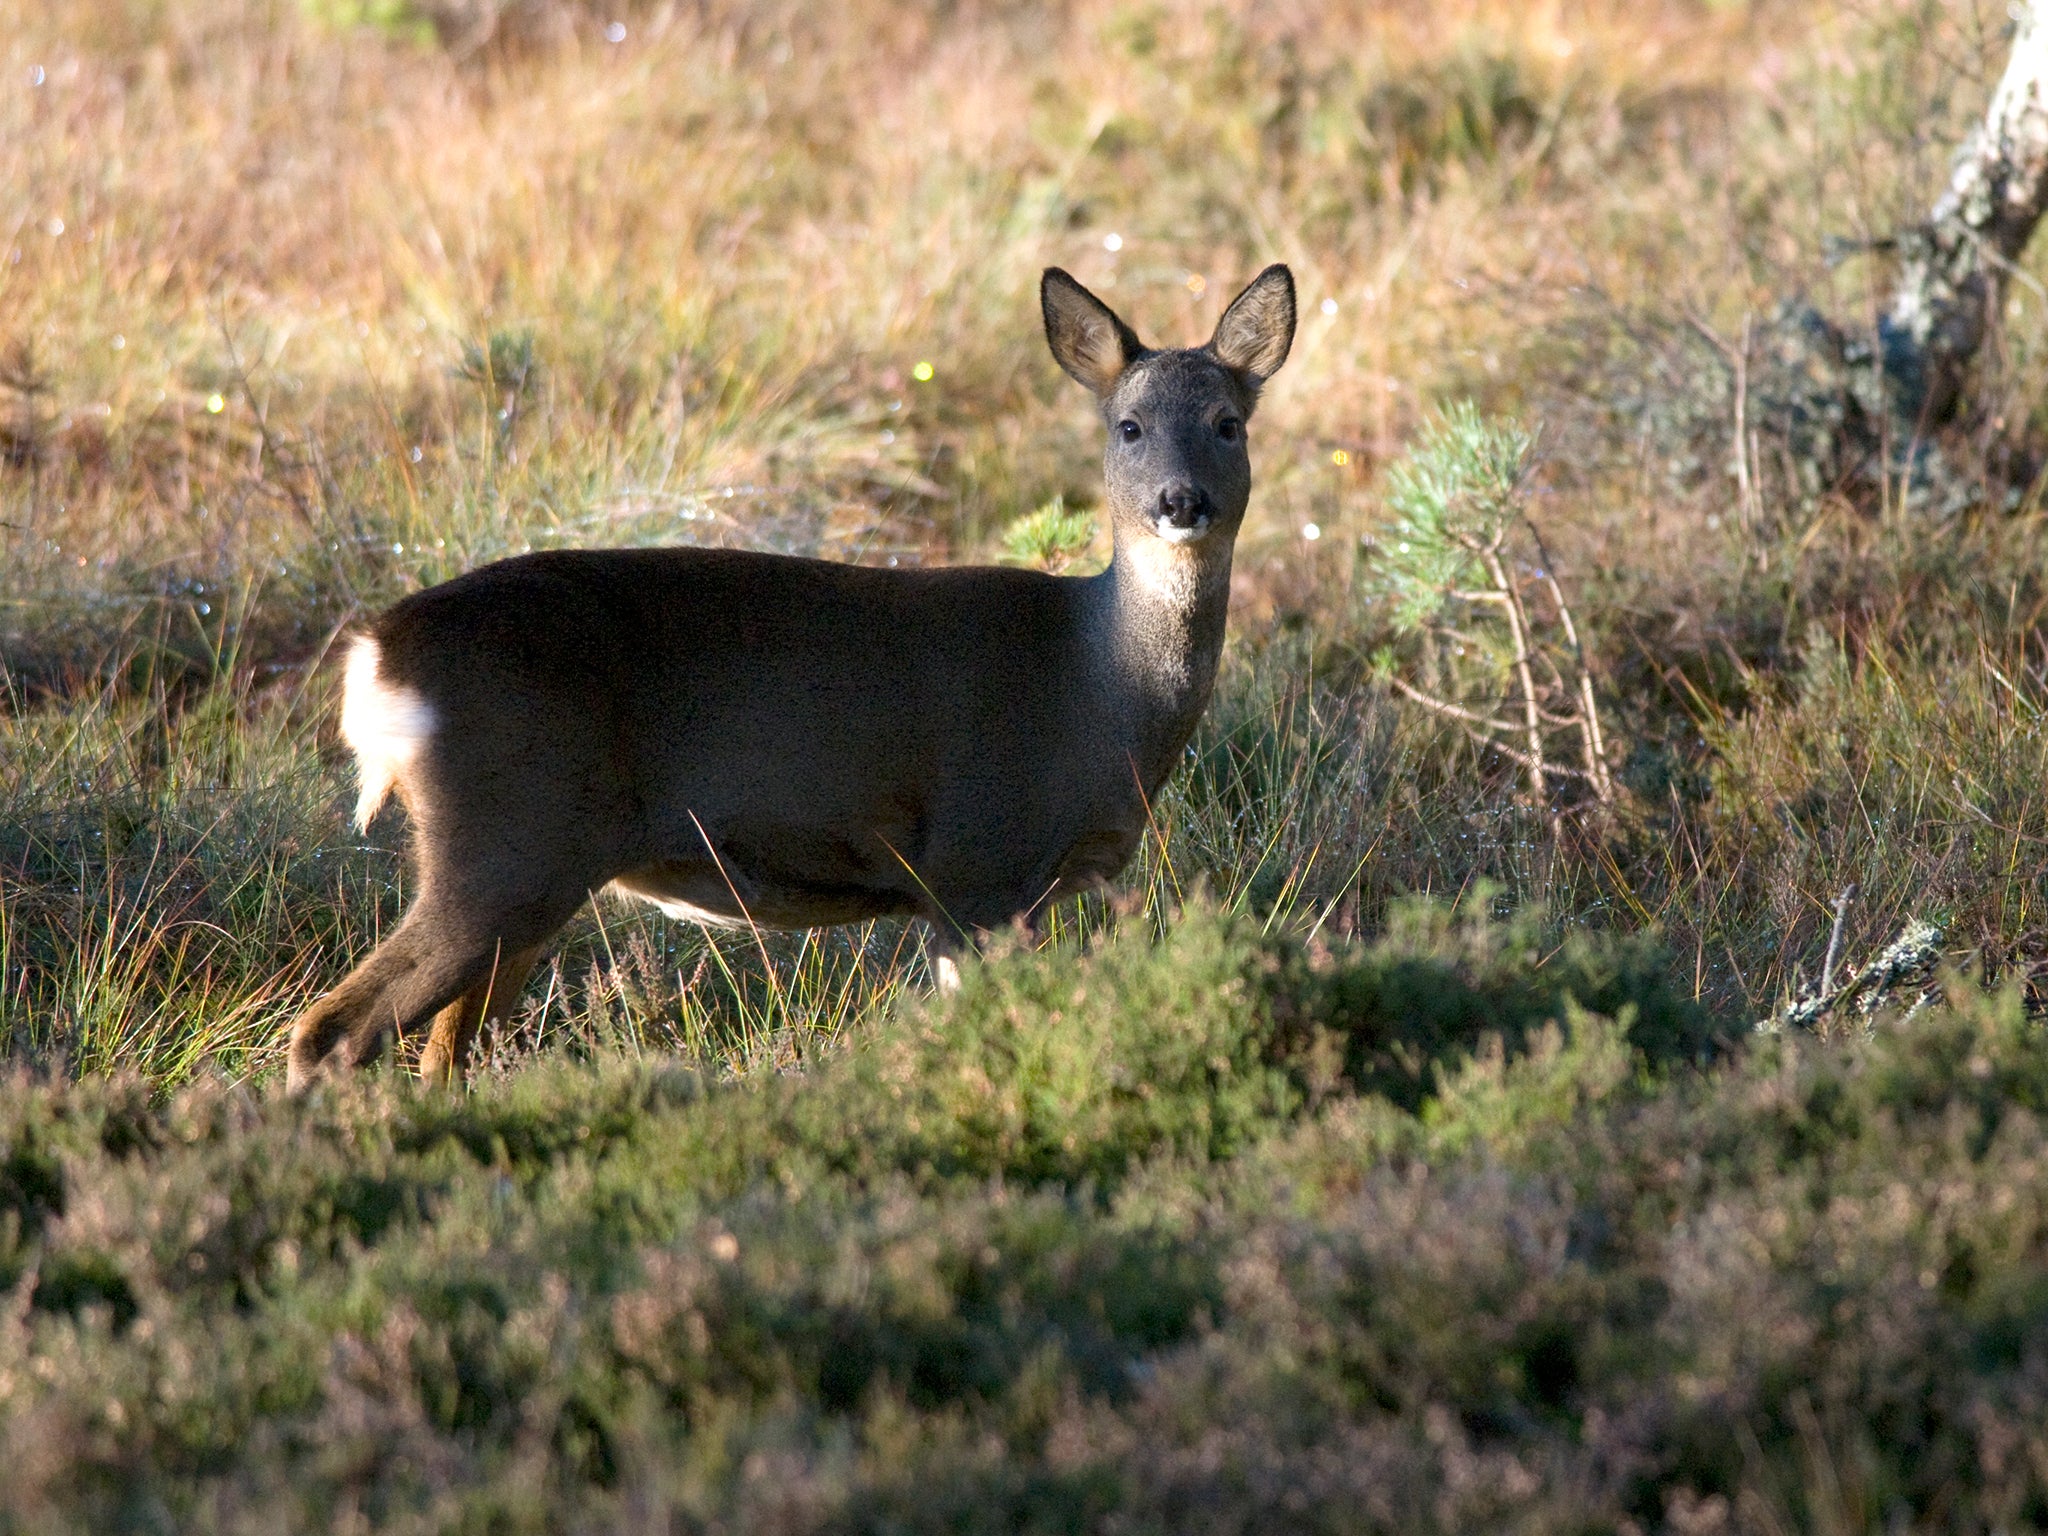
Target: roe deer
{"type": "Point", "coordinates": [753, 738]}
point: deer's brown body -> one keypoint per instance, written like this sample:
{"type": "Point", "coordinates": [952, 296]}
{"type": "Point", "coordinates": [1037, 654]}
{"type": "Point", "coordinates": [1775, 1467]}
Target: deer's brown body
{"type": "Point", "coordinates": [754, 738]}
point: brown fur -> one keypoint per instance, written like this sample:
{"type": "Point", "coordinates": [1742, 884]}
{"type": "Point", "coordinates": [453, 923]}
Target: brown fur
{"type": "Point", "coordinates": [795, 743]}
{"type": "Point", "coordinates": [445, 1056]}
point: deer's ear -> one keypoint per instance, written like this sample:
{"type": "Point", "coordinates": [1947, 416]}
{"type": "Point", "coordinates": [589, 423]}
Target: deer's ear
{"type": "Point", "coordinates": [1086, 337]}
{"type": "Point", "coordinates": [1254, 334]}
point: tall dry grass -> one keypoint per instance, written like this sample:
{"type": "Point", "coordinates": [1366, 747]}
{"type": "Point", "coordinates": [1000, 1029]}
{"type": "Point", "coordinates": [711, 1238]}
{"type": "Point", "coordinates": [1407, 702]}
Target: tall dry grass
{"type": "Point", "coordinates": [306, 303]}
{"type": "Point", "coordinates": [735, 231]}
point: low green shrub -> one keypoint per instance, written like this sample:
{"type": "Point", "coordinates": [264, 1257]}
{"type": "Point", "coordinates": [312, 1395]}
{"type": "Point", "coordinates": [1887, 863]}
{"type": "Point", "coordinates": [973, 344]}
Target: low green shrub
{"type": "Point", "coordinates": [1452, 1228]}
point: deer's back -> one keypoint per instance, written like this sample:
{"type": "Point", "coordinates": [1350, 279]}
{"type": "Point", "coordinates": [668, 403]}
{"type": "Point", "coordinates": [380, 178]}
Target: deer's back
{"type": "Point", "coordinates": [824, 725]}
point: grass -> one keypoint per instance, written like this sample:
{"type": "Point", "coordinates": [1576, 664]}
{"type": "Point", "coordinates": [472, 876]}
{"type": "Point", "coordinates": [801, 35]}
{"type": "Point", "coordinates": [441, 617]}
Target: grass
{"type": "Point", "coordinates": [1385, 1152]}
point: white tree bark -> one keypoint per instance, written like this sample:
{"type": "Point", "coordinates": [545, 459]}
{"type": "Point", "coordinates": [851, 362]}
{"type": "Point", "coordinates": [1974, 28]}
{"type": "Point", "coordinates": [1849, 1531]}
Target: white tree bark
{"type": "Point", "coordinates": [1955, 266]}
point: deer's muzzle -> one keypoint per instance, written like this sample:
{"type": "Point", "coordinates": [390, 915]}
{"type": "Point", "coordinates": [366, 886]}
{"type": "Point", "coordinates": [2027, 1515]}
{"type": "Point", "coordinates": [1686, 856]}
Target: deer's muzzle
{"type": "Point", "coordinates": [1183, 514]}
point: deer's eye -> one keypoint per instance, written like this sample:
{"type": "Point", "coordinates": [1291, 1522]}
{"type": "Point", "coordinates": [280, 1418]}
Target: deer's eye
{"type": "Point", "coordinates": [1129, 430]}
{"type": "Point", "coordinates": [1230, 429]}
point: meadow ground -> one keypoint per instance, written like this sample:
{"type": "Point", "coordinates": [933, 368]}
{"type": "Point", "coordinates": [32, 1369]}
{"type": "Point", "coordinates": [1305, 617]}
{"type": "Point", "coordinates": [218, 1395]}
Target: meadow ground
{"type": "Point", "coordinates": [1389, 1152]}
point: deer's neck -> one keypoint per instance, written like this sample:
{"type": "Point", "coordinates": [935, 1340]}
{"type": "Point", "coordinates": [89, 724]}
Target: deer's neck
{"type": "Point", "coordinates": [1164, 608]}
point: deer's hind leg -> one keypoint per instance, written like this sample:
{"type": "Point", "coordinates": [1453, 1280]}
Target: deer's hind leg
{"type": "Point", "coordinates": [513, 826]}
{"type": "Point", "coordinates": [409, 976]}
{"type": "Point", "coordinates": [444, 950]}
{"type": "Point", "coordinates": [445, 1057]}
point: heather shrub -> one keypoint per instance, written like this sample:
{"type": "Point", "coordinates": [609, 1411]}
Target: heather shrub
{"type": "Point", "coordinates": [1110, 1235]}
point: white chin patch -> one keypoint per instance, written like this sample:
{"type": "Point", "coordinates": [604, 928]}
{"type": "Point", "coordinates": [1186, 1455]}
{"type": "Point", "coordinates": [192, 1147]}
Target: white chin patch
{"type": "Point", "coordinates": [1176, 535]}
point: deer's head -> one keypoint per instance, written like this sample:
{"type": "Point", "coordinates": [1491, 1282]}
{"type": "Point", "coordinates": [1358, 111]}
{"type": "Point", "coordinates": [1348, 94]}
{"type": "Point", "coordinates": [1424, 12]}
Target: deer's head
{"type": "Point", "coordinates": [1177, 468]}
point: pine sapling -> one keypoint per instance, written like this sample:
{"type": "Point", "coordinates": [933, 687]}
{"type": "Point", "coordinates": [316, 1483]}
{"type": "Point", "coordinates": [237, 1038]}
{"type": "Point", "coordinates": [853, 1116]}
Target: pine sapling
{"type": "Point", "coordinates": [1049, 539]}
{"type": "Point", "coordinates": [1459, 565]}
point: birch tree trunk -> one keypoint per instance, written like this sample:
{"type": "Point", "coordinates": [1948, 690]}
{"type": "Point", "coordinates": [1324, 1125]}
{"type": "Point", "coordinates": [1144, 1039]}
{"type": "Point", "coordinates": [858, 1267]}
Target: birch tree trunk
{"type": "Point", "coordinates": [1955, 265]}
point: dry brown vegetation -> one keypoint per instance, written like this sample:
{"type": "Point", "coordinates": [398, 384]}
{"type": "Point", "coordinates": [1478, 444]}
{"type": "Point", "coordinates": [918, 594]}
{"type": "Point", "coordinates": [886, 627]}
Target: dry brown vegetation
{"type": "Point", "coordinates": [733, 233]}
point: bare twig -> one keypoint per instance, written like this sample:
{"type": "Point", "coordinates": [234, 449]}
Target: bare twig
{"type": "Point", "coordinates": [1515, 755]}
{"type": "Point", "coordinates": [1445, 707]}
{"type": "Point", "coordinates": [1827, 967]}
{"type": "Point", "coordinates": [1518, 630]}
{"type": "Point", "coordinates": [1745, 482]}
{"type": "Point", "coordinates": [1737, 358]}
{"type": "Point", "coordinates": [1476, 726]}
{"type": "Point", "coordinates": [1994, 260]}
{"type": "Point", "coordinates": [1909, 960]}
{"type": "Point", "coordinates": [1589, 712]}
{"type": "Point", "coordinates": [1559, 770]}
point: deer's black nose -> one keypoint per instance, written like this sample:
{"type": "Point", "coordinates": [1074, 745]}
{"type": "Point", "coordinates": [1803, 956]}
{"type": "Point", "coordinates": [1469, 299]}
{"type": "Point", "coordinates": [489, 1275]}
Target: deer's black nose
{"type": "Point", "coordinates": [1183, 506]}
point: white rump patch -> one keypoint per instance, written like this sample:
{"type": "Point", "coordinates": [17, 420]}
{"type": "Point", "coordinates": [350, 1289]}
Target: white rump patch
{"type": "Point", "coordinates": [384, 726]}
